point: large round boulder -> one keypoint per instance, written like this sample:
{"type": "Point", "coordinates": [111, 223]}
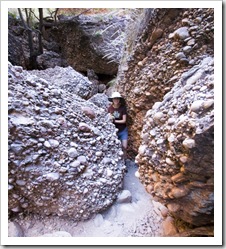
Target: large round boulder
{"type": "Point", "coordinates": [64, 157]}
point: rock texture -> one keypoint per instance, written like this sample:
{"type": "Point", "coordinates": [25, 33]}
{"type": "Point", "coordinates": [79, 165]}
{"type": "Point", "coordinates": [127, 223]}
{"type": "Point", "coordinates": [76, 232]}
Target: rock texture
{"type": "Point", "coordinates": [176, 156]}
{"type": "Point", "coordinates": [64, 155]}
{"type": "Point", "coordinates": [83, 42]}
{"type": "Point", "coordinates": [18, 50]}
{"type": "Point", "coordinates": [69, 80]}
{"type": "Point", "coordinates": [86, 42]}
{"type": "Point", "coordinates": [137, 218]}
{"type": "Point", "coordinates": [166, 77]}
{"type": "Point", "coordinates": [169, 44]}
{"type": "Point", "coordinates": [62, 144]}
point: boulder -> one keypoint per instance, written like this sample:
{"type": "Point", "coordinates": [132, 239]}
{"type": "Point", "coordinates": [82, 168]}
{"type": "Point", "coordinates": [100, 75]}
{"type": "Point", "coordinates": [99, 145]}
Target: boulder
{"type": "Point", "coordinates": [15, 230]}
{"type": "Point", "coordinates": [68, 79]}
{"type": "Point", "coordinates": [124, 197]}
{"type": "Point", "coordinates": [50, 59]}
{"type": "Point", "coordinates": [56, 167]}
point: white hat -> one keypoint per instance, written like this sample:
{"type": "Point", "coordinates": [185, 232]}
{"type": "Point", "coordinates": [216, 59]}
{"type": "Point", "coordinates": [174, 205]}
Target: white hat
{"type": "Point", "coordinates": [115, 95]}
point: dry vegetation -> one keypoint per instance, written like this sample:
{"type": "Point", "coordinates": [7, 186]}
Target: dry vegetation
{"type": "Point", "coordinates": [93, 11]}
{"type": "Point", "coordinates": [85, 11]}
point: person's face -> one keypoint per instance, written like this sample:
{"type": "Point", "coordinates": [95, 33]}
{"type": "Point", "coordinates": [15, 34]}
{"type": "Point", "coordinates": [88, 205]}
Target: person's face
{"type": "Point", "coordinates": [116, 100]}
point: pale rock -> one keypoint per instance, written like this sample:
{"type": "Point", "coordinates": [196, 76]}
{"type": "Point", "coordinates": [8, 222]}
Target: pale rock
{"type": "Point", "coordinates": [54, 143]}
{"type": "Point", "coordinates": [183, 159]}
{"type": "Point", "coordinates": [72, 152]}
{"type": "Point", "coordinates": [169, 161]}
{"type": "Point", "coordinates": [109, 172]}
{"type": "Point", "coordinates": [82, 159]}
{"type": "Point", "coordinates": [10, 187]}
{"type": "Point", "coordinates": [137, 174]}
{"type": "Point", "coordinates": [164, 211]}
{"type": "Point", "coordinates": [207, 104]}
{"type": "Point", "coordinates": [189, 143]}
{"type": "Point", "coordinates": [15, 229]}
{"type": "Point", "coordinates": [21, 182]}
{"type": "Point", "coordinates": [187, 49]}
{"type": "Point", "coordinates": [98, 220]}
{"type": "Point", "coordinates": [191, 42]}
{"type": "Point", "coordinates": [124, 197]}
{"type": "Point", "coordinates": [169, 228]}
{"type": "Point", "coordinates": [197, 106]}
{"type": "Point", "coordinates": [99, 153]}
{"type": "Point", "coordinates": [181, 33]}
{"type": "Point", "coordinates": [180, 55]}
{"type": "Point", "coordinates": [57, 234]}
{"type": "Point", "coordinates": [52, 176]}
{"type": "Point", "coordinates": [171, 138]}
{"type": "Point", "coordinates": [47, 144]}
{"type": "Point", "coordinates": [156, 105]}
{"type": "Point", "coordinates": [75, 164]}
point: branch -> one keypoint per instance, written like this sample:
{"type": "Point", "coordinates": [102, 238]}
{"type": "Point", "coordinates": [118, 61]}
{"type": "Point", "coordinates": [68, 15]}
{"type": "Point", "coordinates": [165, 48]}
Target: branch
{"type": "Point", "coordinates": [22, 18]}
{"type": "Point", "coordinates": [55, 14]}
{"type": "Point", "coordinates": [34, 14]}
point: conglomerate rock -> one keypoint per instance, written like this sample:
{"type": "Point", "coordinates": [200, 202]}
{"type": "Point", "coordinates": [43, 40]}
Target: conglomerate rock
{"type": "Point", "coordinates": [174, 140]}
{"type": "Point", "coordinates": [170, 43]}
{"type": "Point", "coordinates": [64, 157]}
{"type": "Point", "coordinates": [83, 42]}
{"type": "Point", "coordinates": [176, 156]}
{"type": "Point", "coordinates": [90, 42]}
{"type": "Point", "coordinates": [68, 79]}
{"type": "Point", "coordinates": [171, 130]}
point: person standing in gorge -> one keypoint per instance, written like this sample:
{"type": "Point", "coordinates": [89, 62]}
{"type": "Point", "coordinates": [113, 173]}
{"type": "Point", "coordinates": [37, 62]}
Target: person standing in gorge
{"type": "Point", "coordinates": [119, 115]}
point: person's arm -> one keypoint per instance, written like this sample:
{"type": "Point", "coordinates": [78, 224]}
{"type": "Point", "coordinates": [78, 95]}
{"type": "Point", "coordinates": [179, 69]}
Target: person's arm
{"type": "Point", "coordinates": [122, 121]}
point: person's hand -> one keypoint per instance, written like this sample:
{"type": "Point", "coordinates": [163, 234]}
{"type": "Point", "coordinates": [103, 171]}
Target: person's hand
{"type": "Point", "coordinates": [112, 117]}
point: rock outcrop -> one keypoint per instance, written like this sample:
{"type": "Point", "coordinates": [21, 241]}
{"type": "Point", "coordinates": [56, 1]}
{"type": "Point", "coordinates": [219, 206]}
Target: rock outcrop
{"type": "Point", "coordinates": [170, 43]}
{"type": "Point", "coordinates": [86, 42]}
{"type": "Point", "coordinates": [64, 155]}
{"type": "Point", "coordinates": [83, 42]}
{"type": "Point", "coordinates": [176, 156]}
{"type": "Point", "coordinates": [60, 137]}
{"type": "Point", "coordinates": [166, 77]}
{"type": "Point", "coordinates": [18, 50]}
{"type": "Point", "coordinates": [69, 80]}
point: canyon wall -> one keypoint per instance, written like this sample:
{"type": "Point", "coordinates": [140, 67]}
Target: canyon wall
{"type": "Point", "coordinates": [167, 79]}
